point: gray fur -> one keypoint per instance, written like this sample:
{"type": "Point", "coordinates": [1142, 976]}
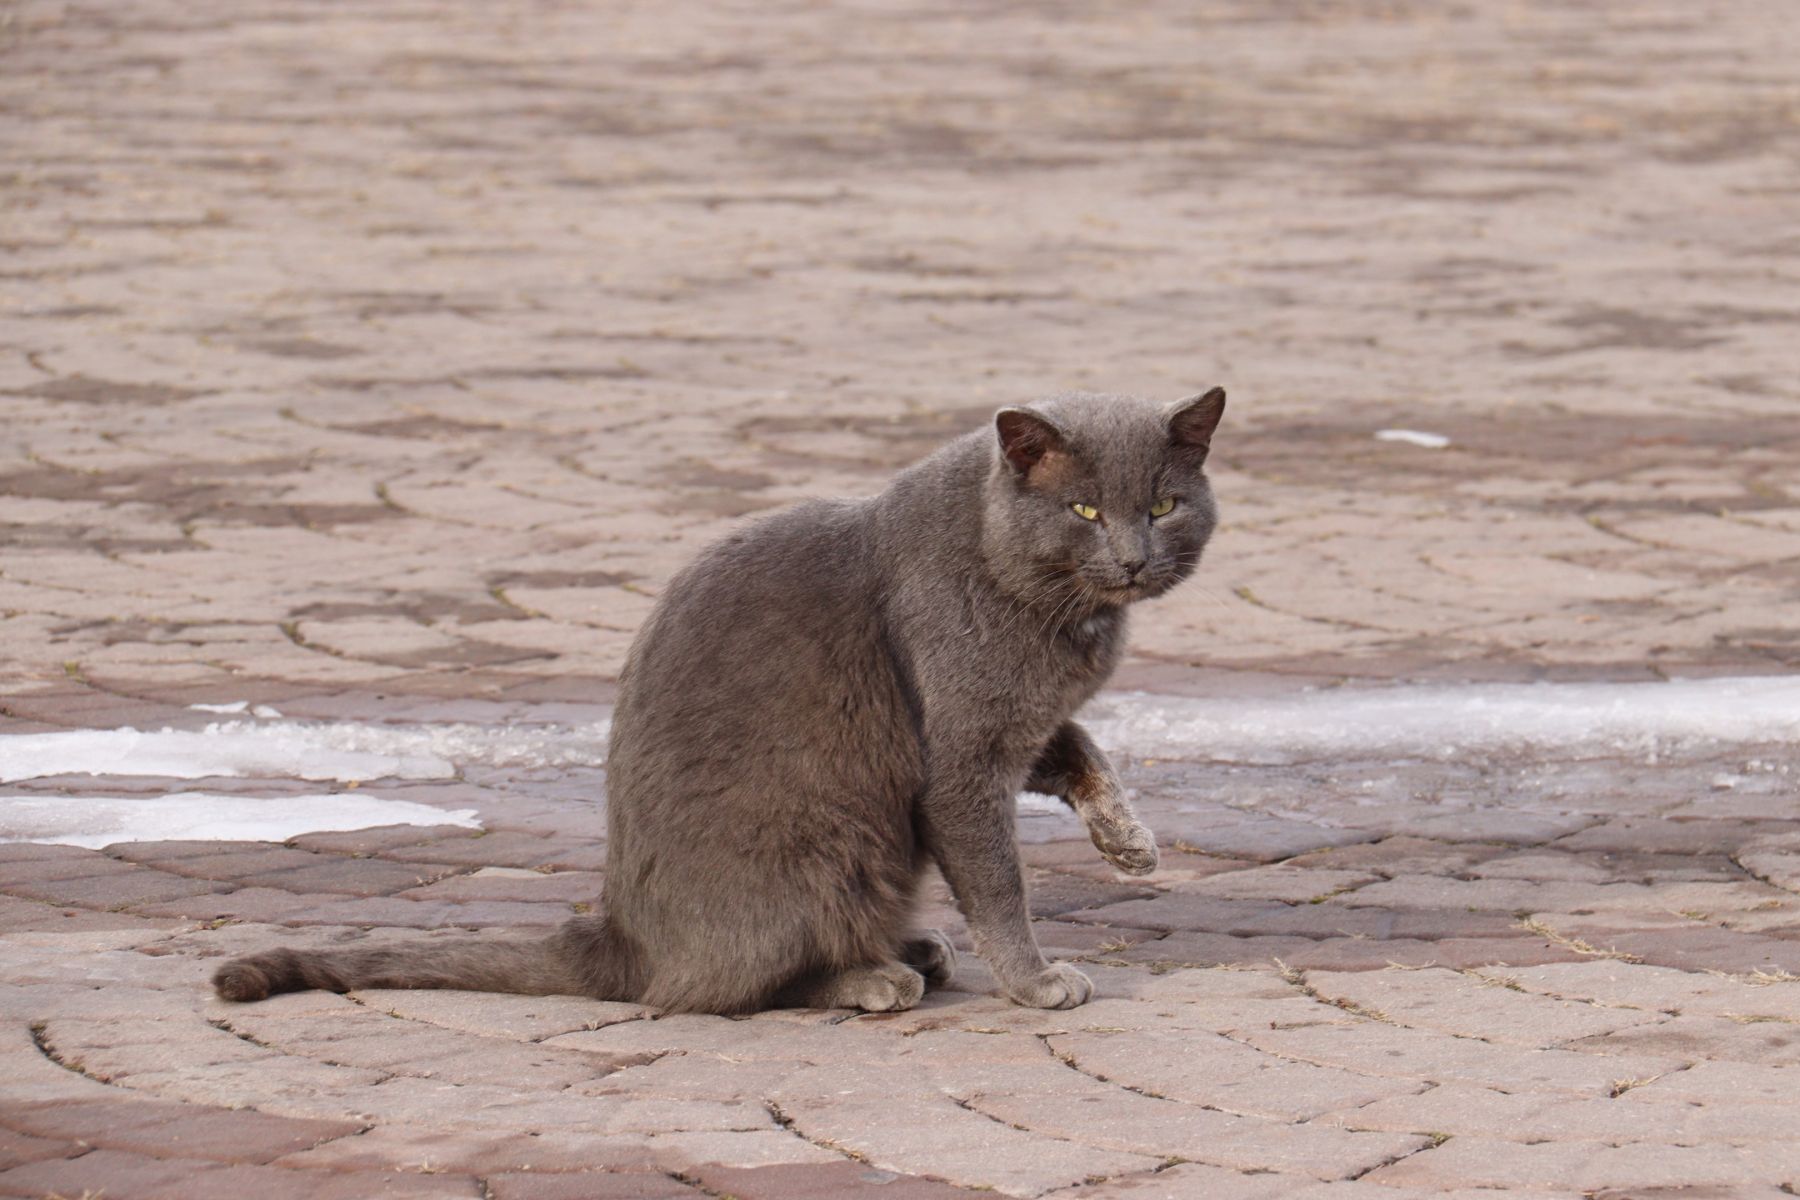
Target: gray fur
{"type": "Point", "coordinates": [833, 698]}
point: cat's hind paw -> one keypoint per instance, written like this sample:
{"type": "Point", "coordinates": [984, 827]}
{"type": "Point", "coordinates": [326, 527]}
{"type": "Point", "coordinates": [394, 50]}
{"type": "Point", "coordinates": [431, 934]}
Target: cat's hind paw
{"type": "Point", "coordinates": [1061, 986]}
{"type": "Point", "coordinates": [884, 987]}
{"type": "Point", "coordinates": [931, 955]}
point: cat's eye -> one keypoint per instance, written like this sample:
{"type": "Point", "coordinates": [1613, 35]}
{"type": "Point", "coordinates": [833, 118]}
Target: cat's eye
{"type": "Point", "coordinates": [1086, 512]}
{"type": "Point", "coordinates": [1163, 507]}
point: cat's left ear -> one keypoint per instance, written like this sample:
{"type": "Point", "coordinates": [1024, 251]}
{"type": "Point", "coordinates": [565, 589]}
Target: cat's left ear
{"type": "Point", "coordinates": [1191, 421]}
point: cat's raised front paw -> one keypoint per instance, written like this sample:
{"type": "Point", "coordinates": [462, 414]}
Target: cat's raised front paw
{"type": "Point", "coordinates": [1062, 986]}
{"type": "Point", "coordinates": [1131, 848]}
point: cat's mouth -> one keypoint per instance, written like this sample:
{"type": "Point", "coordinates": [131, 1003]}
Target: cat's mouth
{"type": "Point", "coordinates": [1117, 594]}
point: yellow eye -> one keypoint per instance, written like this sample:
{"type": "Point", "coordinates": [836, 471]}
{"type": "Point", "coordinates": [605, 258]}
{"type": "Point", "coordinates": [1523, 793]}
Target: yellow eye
{"type": "Point", "coordinates": [1086, 512]}
{"type": "Point", "coordinates": [1163, 507]}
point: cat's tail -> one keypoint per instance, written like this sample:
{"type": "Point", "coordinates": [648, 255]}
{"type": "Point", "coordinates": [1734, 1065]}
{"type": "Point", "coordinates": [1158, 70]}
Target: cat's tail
{"type": "Point", "coordinates": [582, 958]}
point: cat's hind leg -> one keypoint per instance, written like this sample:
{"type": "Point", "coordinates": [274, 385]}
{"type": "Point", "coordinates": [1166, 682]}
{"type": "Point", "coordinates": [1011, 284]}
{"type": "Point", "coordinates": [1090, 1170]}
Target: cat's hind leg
{"type": "Point", "coordinates": [884, 987]}
{"type": "Point", "coordinates": [931, 955]}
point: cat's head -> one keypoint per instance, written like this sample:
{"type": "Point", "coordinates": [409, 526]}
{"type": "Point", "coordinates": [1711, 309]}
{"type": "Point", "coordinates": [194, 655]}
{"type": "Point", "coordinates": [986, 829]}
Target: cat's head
{"type": "Point", "coordinates": [1101, 500]}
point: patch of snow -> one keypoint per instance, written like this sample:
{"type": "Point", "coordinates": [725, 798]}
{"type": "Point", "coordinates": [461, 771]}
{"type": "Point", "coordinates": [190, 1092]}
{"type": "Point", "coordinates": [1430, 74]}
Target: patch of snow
{"type": "Point", "coordinates": [1413, 437]}
{"type": "Point", "coordinates": [220, 751]}
{"type": "Point", "coordinates": [96, 821]}
{"type": "Point", "coordinates": [1038, 802]}
{"type": "Point", "coordinates": [345, 751]}
{"type": "Point", "coordinates": [1442, 721]}
{"type": "Point", "coordinates": [236, 706]}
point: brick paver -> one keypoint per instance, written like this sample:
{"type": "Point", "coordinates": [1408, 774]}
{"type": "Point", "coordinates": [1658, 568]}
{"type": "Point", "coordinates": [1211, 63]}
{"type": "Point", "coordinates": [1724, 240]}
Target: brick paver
{"type": "Point", "coordinates": [382, 362]}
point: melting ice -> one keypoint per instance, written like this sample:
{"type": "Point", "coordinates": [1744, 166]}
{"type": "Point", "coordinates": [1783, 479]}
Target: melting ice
{"type": "Point", "coordinates": [96, 821]}
{"type": "Point", "coordinates": [1568, 720]}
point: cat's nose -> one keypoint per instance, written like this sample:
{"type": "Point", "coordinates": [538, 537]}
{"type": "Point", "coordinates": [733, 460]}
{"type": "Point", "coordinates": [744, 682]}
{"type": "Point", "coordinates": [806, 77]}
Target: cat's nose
{"type": "Point", "coordinates": [1132, 566]}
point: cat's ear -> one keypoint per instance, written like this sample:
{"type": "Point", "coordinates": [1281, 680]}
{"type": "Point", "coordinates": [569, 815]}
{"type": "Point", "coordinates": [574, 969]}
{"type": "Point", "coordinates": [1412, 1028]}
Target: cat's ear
{"type": "Point", "coordinates": [1026, 437]}
{"type": "Point", "coordinates": [1192, 421]}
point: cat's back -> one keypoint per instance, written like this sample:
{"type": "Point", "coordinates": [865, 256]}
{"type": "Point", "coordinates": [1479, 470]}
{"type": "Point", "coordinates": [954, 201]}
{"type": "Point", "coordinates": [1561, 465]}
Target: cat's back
{"type": "Point", "coordinates": [782, 612]}
{"type": "Point", "coordinates": [803, 563]}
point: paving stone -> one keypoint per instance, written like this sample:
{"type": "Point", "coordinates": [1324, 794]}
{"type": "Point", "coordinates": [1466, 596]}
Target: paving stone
{"type": "Point", "coordinates": [258, 904]}
{"type": "Point", "coordinates": [1280, 882]}
{"type": "Point", "coordinates": [912, 1132]}
{"type": "Point", "coordinates": [17, 1149]}
{"type": "Point", "coordinates": [1719, 1083]}
{"type": "Point", "coordinates": [1401, 855]}
{"type": "Point", "coordinates": [1488, 1162]}
{"type": "Point", "coordinates": [277, 1184]}
{"type": "Point", "coordinates": [1370, 1047]}
{"type": "Point", "coordinates": [18, 873]}
{"type": "Point", "coordinates": [1221, 1073]}
{"type": "Point", "coordinates": [101, 1171]}
{"type": "Point", "coordinates": [1454, 1003]}
{"type": "Point", "coordinates": [592, 1185]}
{"type": "Point", "coordinates": [1771, 1043]}
{"type": "Point", "coordinates": [1462, 1110]}
{"type": "Point", "coordinates": [521, 1018]}
{"type": "Point", "coordinates": [1364, 954]}
{"type": "Point", "coordinates": [1197, 1181]}
{"type": "Point", "coordinates": [489, 850]}
{"type": "Point", "coordinates": [109, 1112]}
{"type": "Point", "coordinates": [121, 889]}
{"type": "Point", "coordinates": [490, 1155]}
{"type": "Point", "coordinates": [1115, 1118]}
{"type": "Point", "coordinates": [821, 1181]}
{"type": "Point", "coordinates": [236, 865]}
{"type": "Point", "coordinates": [1052, 894]}
{"type": "Point", "coordinates": [1671, 940]}
{"type": "Point", "coordinates": [1657, 835]}
{"type": "Point", "coordinates": [365, 842]}
{"type": "Point", "coordinates": [12, 853]}
{"type": "Point", "coordinates": [1619, 984]}
{"type": "Point", "coordinates": [352, 876]}
{"type": "Point", "coordinates": [562, 887]}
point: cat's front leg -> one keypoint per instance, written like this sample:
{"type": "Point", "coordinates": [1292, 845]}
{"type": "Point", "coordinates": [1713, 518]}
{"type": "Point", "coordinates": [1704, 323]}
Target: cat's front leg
{"type": "Point", "coordinates": [968, 821]}
{"type": "Point", "coordinates": [1073, 767]}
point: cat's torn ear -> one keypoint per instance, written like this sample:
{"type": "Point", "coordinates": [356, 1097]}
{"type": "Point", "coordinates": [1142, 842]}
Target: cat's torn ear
{"type": "Point", "coordinates": [1026, 437]}
{"type": "Point", "coordinates": [1192, 421]}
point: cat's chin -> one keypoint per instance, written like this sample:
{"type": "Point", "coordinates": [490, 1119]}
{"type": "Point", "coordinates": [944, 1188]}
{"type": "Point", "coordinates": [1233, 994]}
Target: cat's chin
{"type": "Point", "coordinates": [1111, 598]}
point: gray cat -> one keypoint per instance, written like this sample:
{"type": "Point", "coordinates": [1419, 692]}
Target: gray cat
{"type": "Point", "coordinates": [831, 699]}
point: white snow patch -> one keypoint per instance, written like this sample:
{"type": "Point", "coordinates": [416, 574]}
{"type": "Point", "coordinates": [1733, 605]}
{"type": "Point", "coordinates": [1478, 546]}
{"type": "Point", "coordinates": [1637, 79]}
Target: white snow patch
{"type": "Point", "coordinates": [346, 751]}
{"type": "Point", "coordinates": [1441, 722]}
{"type": "Point", "coordinates": [1413, 437]}
{"type": "Point", "coordinates": [1038, 802]}
{"type": "Point", "coordinates": [220, 751]}
{"type": "Point", "coordinates": [1349, 723]}
{"type": "Point", "coordinates": [238, 706]}
{"type": "Point", "coordinates": [96, 821]}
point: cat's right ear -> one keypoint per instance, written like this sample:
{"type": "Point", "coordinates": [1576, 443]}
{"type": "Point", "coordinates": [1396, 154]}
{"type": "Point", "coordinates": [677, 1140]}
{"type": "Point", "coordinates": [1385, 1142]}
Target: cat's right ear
{"type": "Point", "coordinates": [1026, 437]}
{"type": "Point", "coordinates": [1192, 421]}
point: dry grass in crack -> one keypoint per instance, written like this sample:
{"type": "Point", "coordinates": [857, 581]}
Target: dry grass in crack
{"type": "Point", "coordinates": [1574, 944]}
{"type": "Point", "coordinates": [1297, 978]}
{"type": "Point", "coordinates": [1762, 978]}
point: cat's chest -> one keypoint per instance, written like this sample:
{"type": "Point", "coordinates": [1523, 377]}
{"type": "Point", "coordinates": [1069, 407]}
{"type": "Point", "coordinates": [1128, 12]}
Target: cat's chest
{"type": "Point", "coordinates": [1048, 678]}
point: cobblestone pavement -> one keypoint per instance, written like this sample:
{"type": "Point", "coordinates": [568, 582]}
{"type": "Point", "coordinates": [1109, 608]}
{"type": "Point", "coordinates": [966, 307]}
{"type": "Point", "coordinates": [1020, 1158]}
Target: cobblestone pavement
{"type": "Point", "coordinates": [404, 338]}
{"type": "Point", "coordinates": [1355, 979]}
{"type": "Point", "coordinates": [384, 360]}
